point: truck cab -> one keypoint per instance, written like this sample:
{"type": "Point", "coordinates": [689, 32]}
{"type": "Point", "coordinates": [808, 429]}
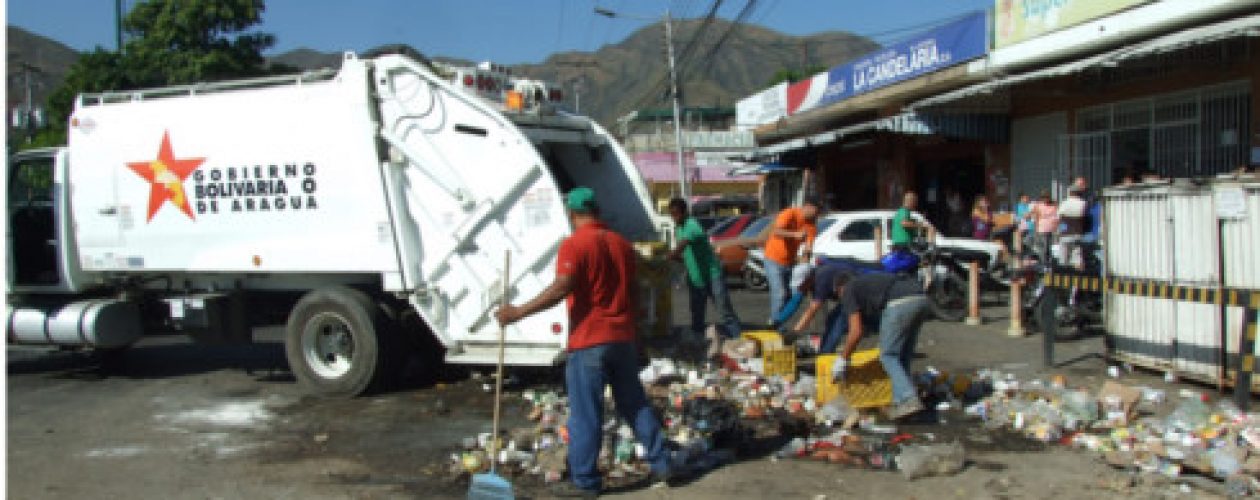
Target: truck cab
{"type": "Point", "coordinates": [37, 226]}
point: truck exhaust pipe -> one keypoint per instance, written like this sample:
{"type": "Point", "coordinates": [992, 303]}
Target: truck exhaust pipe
{"type": "Point", "coordinates": [97, 323]}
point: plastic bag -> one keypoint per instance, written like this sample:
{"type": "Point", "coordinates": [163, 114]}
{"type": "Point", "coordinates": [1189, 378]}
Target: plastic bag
{"type": "Point", "coordinates": [916, 461]}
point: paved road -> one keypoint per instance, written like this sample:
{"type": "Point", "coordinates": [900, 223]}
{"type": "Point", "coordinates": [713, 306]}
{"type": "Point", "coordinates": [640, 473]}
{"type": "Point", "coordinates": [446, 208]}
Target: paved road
{"type": "Point", "coordinates": [176, 420]}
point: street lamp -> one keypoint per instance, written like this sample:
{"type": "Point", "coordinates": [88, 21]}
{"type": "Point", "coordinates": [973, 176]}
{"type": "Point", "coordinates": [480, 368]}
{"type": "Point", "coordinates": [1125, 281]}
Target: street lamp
{"type": "Point", "coordinates": [683, 185]}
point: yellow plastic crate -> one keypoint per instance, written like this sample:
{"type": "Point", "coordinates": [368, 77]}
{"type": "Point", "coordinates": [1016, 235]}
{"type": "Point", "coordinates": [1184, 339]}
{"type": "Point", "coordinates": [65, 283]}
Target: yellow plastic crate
{"type": "Point", "coordinates": [780, 361]}
{"type": "Point", "coordinates": [865, 384]}
{"type": "Point", "coordinates": [766, 339]}
{"type": "Point", "coordinates": [775, 358]}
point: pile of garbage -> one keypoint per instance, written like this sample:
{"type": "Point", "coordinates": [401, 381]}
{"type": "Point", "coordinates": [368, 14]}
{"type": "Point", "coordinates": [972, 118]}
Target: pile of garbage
{"type": "Point", "coordinates": [1132, 428]}
{"type": "Point", "coordinates": [722, 407]}
{"type": "Point", "coordinates": [713, 413]}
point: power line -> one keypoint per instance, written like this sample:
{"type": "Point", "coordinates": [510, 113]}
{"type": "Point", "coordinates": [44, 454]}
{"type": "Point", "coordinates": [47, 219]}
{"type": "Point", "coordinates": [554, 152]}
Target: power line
{"type": "Point", "coordinates": [560, 25]}
{"type": "Point", "coordinates": [739, 20]}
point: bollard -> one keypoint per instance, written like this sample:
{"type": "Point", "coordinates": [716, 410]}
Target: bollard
{"type": "Point", "coordinates": [1017, 248]}
{"type": "Point", "coordinates": [1016, 329]}
{"type": "Point", "coordinates": [879, 240]}
{"type": "Point", "coordinates": [973, 293]}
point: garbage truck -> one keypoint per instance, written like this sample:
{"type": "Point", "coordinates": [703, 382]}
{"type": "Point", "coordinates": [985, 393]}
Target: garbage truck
{"type": "Point", "coordinates": [369, 208]}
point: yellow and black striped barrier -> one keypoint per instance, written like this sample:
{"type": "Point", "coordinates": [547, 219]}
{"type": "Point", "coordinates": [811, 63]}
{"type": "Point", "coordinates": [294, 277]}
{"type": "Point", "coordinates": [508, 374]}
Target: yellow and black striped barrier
{"type": "Point", "coordinates": [1246, 298]}
{"type": "Point", "coordinates": [1154, 289]}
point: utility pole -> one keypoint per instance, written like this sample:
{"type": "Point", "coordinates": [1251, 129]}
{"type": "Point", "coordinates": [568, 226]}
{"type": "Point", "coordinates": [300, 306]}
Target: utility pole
{"type": "Point", "coordinates": [683, 184]}
{"type": "Point", "coordinates": [118, 24]}
{"type": "Point", "coordinates": [578, 82]}
{"type": "Point", "coordinates": [28, 116]}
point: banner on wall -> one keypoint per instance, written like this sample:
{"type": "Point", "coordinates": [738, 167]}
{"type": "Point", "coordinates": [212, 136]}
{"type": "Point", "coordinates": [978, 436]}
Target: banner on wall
{"type": "Point", "coordinates": [932, 50]}
{"type": "Point", "coordinates": [1019, 20]}
{"type": "Point", "coordinates": [764, 107]}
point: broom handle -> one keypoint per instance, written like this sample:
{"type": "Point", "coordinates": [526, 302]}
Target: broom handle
{"type": "Point", "coordinates": [498, 379]}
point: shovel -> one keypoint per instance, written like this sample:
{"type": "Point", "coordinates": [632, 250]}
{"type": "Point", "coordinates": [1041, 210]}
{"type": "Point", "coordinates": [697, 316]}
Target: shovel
{"type": "Point", "coordinates": [488, 485]}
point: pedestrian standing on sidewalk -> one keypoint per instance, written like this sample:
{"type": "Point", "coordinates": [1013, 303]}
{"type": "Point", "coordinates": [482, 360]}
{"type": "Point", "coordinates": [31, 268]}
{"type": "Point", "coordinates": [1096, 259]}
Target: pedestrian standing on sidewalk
{"type": "Point", "coordinates": [705, 279]}
{"type": "Point", "coordinates": [981, 219]}
{"type": "Point", "coordinates": [595, 270]}
{"type": "Point", "coordinates": [1044, 214]}
{"type": "Point", "coordinates": [896, 303]}
{"type": "Point", "coordinates": [792, 234]}
{"type": "Point", "coordinates": [1074, 225]}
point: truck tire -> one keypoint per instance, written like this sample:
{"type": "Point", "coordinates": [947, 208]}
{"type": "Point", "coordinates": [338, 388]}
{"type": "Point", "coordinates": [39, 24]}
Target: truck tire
{"type": "Point", "coordinates": [339, 343]}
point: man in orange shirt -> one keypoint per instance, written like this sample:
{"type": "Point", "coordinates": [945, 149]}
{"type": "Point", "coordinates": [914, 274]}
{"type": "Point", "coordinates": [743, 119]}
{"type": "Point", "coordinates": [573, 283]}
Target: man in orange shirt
{"type": "Point", "coordinates": [791, 234]}
{"type": "Point", "coordinates": [595, 270]}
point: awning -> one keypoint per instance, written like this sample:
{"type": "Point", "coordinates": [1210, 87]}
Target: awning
{"type": "Point", "coordinates": [764, 168]}
{"type": "Point", "coordinates": [961, 126]}
{"type": "Point", "coordinates": [1243, 26]}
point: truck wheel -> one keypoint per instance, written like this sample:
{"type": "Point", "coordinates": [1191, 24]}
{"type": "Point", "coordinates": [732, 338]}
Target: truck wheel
{"type": "Point", "coordinates": [339, 343]}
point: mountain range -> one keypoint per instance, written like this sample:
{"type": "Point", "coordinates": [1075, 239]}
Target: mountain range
{"type": "Point", "coordinates": [719, 63]}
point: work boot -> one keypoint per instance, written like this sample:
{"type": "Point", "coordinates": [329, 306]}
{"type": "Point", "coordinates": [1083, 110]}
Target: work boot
{"type": "Point", "coordinates": [905, 408]}
{"type": "Point", "coordinates": [567, 489]}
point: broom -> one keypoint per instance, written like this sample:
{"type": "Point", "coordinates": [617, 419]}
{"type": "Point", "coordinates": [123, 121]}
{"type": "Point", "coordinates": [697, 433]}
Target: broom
{"type": "Point", "coordinates": [489, 485]}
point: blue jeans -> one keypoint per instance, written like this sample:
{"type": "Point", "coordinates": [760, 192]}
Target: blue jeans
{"type": "Point", "coordinates": [585, 375]}
{"type": "Point", "coordinates": [715, 289]}
{"type": "Point", "coordinates": [834, 330]}
{"type": "Point", "coordinates": [785, 313]}
{"type": "Point", "coordinates": [899, 333]}
{"type": "Point", "coordinates": [777, 277]}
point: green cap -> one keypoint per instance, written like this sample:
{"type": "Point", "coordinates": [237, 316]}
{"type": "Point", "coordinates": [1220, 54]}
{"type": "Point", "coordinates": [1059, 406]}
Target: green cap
{"type": "Point", "coordinates": [581, 199]}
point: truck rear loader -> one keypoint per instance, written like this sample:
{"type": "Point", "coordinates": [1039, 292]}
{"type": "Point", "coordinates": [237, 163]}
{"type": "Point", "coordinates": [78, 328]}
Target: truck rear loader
{"type": "Point", "coordinates": [370, 207]}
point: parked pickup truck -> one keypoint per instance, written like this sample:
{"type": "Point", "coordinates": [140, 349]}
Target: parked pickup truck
{"type": "Point", "coordinates": [852, 235]}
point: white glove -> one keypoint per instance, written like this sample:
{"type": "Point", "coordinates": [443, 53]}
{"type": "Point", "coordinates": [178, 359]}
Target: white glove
{"type": "Point", "coordinates": [838, 368]}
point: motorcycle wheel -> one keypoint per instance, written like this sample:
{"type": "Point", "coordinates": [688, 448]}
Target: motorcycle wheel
{"type": "Point", "coordinates": [947, 297]}
{"type": "Point", "coordinates": [1052, 321]}
{"type": "Point", "coordinates": [754, 280]}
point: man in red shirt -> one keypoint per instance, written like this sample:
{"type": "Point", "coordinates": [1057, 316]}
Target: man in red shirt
{"type": "Point", "coordinates": [595, 269]}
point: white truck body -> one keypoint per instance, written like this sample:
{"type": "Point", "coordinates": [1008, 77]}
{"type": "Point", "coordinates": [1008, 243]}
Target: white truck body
{"type": "Point", "coordinates": [382, 176]}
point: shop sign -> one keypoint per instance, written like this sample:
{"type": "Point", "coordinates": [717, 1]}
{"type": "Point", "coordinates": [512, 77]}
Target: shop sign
{"type": "Point", "coordinates": [1019, 20]}
{"type": "Point", "coordinates": [717, 139]}
{"type": "Point", "coordinates": [941, 47]}
{"type": "Point", "coordinates": [764, 107]}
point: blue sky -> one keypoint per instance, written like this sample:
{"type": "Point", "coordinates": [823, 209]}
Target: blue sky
{"type": "Point", "coordinates": [505, 31]}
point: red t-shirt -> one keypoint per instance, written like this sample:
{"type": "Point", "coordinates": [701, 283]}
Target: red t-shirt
{"type": "Point", "coordinates": [602, 264]}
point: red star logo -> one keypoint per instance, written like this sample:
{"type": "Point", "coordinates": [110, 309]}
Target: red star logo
{"type": "Point", "coordinates": [166, 178]}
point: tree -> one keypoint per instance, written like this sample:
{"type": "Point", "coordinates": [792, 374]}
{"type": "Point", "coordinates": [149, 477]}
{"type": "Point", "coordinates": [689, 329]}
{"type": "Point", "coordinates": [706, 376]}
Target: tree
{"type": "Point", "coordinates": [793, 75]}
{"type": "Point", "coordinates": [187, 41]}
{"type": "Point", "coordinates": [170, 42]}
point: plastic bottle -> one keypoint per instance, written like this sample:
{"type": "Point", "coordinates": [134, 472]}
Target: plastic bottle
{"type": "Point", "coordinates": [1191, 415]}
{"type": "Point", "coordinates": [1224, 463]}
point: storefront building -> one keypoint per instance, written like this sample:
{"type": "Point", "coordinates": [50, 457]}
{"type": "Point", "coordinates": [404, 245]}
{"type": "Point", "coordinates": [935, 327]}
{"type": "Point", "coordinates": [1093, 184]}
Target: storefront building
{"type": "Point", "coordinates": [1099, 88]}
{"type": "Point", "coordinates": [1174, 99]}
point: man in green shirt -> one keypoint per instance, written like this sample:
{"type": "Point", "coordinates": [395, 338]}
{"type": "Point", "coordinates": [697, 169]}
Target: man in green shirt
{"type": "Point", "coordinates": [704, 271]}
{"type": "Point", "coordinates": [903, 223]}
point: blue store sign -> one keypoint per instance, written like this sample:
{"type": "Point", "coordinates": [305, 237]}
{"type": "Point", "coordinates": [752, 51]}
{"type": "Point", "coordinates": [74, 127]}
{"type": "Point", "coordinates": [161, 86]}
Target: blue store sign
{"type": "Point", "coordinates": [948, 45]}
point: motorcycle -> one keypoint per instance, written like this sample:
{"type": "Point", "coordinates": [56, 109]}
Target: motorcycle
{"type": "Point", "coordinates": [944, 273]}
{"type": "Point", "coordinates": [754, 271]}
{"type": "Point", "coordinates": [1062, 314]}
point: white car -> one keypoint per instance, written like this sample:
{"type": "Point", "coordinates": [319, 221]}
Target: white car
{"type": "Point", "coordinates": [852, 235]}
